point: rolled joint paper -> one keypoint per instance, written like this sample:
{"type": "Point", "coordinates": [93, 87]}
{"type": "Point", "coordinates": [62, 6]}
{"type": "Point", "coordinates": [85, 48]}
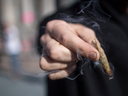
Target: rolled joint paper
{"type": "Point", "coordinates": [103, 60]}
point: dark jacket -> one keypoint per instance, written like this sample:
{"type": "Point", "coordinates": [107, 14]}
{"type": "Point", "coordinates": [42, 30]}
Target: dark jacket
{"type": "Point", "coordinates": [114, 36]}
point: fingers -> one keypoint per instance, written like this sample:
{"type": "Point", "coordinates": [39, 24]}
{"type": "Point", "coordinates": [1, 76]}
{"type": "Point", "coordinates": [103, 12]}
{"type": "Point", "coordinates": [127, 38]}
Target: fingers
{"type": "Point", "coordinates": [62, 41]}
{"type": "Point", "coordinates": [46, 63]}
{"type": "Point", "coordinates": [84, 33]}
{"type": "Point", "coordinates": [61, 70]}
{"type": "Point", "coordinates": [62, 73]}
{"type": "Point", "coordinates": [56, 51]}
{"type": "Point", "coordinates": [70, 37]}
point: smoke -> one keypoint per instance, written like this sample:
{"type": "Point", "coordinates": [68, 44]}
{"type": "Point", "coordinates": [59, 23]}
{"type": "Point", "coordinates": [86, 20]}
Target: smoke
{"type": "Point", "coordinates": [91, 9]}
{"type": "Point", "coordinates": [91, 15]}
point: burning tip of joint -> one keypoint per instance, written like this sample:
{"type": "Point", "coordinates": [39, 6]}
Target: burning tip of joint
{"type": "Point", "coordinates": [110, 78]}
{"type": "Point", "coordinates": [103, 60]}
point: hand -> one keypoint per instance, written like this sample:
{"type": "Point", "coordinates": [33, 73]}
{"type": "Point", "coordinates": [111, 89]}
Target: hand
{"type": "Point", "coordinates": [62, 41]}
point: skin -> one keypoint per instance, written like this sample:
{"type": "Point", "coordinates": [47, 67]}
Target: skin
{"type": "Point", "coordinates": [62, 41]}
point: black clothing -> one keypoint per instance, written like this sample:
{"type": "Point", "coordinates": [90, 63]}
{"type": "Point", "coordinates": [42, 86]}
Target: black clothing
{"type": "Point", "coordinates": [93, 83]}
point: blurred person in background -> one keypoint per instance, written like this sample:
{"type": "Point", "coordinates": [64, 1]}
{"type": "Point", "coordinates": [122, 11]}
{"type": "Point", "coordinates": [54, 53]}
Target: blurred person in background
{"type": "Point", "coordinates": [12, 45]}
{"type": "Point", "coordinates": [63, 40]}
{"type": "Point", "coordinates": [1, 44]}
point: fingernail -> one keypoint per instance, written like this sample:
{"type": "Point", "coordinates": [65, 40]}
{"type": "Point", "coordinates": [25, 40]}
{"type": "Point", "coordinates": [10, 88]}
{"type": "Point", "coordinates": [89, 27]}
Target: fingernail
{"type": "Point", "coordinates": [92, 56]}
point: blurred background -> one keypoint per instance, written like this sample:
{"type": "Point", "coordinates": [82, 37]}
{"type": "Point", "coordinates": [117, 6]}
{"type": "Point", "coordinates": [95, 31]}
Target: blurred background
{"type": "Point", "coordinates": [19, 59]}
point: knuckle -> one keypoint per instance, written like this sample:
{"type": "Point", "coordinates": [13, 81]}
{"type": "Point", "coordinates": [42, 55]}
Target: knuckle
{"type": "Point", "coordinates": [86, 29]}
{"type": "Point", "coordinates": [43, 65]}
{"type": "Point", "coordinates": [62, 66]}
{"type": "Point", "coordinates": [91, 32]}
{"type": "Point", "coordinates": [52, 76]}
{"type": "Point", "coordinates": [63, 38]}
{"type": "Point", "coordinates": [42, 39]}
{"type": "Point", "coordinates": [91, 35]}
{"type": "Point", "coordinates": [49, 26]}
{"type": "Point", "coordinates": [59, 23]}
{"type": "Point", "coordinates": [54, 24]}
{"type": "Point", "coordinates": [54, 53]}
